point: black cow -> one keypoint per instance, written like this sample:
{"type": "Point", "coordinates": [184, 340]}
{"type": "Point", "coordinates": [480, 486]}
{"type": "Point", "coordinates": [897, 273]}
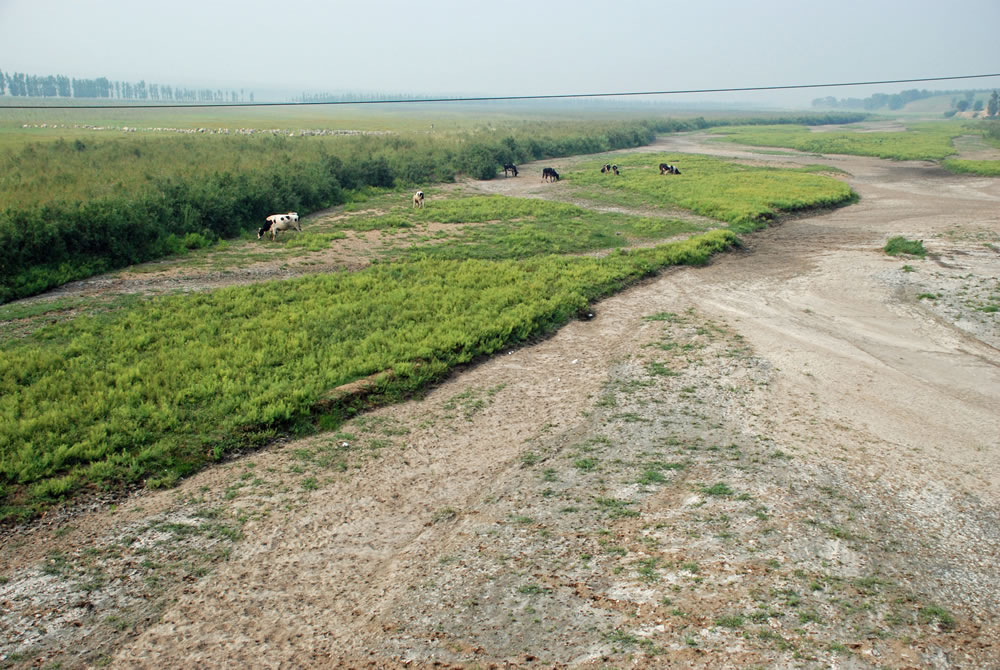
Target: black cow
{"type": "Point", "coordinates": [548, 174]}
{"type": "Point", "coordinates": [509, 167]}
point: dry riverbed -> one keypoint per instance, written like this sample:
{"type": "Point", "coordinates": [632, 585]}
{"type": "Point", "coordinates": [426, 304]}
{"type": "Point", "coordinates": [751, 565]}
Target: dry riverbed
{"type": "Point", "coordinates": [788, 458]}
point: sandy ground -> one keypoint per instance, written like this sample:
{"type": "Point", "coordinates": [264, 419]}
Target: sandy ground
{"type": "Point", "coordinates": [788, 458]}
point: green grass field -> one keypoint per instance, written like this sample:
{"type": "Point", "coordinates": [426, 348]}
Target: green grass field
{"type": "Point", "coordinates": [723, 190]}
{"type": "Point", "coordinates": [983, 168]}
{"type": "Point", "coordinates": [116, 393]}
{"type": "Point", "coordinates": [145, 392]}
{"type": "Point", "coordinates": [922, 141]}
{"type": "Point", "coordinates": [153, 392]}
{"type": "Point", "coordinates": [518, 228]}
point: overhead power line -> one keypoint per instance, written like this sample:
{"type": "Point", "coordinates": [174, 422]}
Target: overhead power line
{"type": "Point", "coordinates": [555, 96]}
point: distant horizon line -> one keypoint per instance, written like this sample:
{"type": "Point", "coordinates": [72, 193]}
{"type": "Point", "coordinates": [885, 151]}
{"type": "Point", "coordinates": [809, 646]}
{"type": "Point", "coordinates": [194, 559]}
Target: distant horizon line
{"type": "Point", "coordinates": [500, 98]}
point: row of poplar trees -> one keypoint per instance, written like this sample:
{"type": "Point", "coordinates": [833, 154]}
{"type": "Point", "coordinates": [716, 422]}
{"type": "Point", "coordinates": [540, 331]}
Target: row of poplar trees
{"type": "Point", "coordinates": [60, 86]}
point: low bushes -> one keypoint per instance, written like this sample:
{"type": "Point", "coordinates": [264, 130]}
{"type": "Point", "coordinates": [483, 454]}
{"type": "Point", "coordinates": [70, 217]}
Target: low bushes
{"type": "Point", "coordinates": [899, 245]}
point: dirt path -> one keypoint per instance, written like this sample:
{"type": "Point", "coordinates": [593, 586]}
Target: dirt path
{"type": "Point", "coordinates": [784, 459]}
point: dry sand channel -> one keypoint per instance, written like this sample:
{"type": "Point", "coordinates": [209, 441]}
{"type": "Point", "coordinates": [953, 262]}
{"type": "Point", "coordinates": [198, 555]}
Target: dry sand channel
{"type": "Point", "coordinates": [783, 459]}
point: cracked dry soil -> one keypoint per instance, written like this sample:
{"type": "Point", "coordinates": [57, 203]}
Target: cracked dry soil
{"type": "Point", "coordinates": [783, 459]}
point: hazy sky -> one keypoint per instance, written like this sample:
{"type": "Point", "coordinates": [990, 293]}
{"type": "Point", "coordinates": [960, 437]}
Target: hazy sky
{"type": "Point", "coordinates": [506, 47]}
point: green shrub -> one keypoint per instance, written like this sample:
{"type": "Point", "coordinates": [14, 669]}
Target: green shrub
{"type": "Point", "coordinates": [899, 245]}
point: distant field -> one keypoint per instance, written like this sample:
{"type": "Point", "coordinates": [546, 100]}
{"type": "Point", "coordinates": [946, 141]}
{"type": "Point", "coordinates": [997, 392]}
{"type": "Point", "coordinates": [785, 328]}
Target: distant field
{"type": "Point", "coordinates": [922, 141]}
{"type": "Point", "coordinates": [931, 107]}
{"type": "Point", "coordinates": [940, 104]}
{"type": "Point", "coordinates": [96, 164]}
{"type": "Point", "coordinates": [435, 120]}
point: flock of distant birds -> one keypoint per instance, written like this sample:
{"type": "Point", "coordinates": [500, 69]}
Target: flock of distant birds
{"type": "Point", "coordinates": [290, 132]}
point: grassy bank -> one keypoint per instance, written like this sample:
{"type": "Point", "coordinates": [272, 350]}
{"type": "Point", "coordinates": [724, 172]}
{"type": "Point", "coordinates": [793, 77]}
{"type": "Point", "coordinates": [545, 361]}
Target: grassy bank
{"type": "Point", "coordinates": [922, 141]}
{"type": "Point", "coordinates": [738, 194]}
{"type": "Point", "coordinates": [154, 392]}
{"type": "Point", "coordinates": [983, 168]}
{"type": "Point", "coordinates": [518, 228]}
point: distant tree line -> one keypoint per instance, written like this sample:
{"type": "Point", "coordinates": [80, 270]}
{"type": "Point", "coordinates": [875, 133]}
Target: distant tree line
{"type": "Point", "coordinates": [363, 97]}
{"type": "Point", "coordinates": [61, 86]}
{"type": "Point", "coordinates": [970, 101]}
{"type": "Point", "coordinates": [895, 101]}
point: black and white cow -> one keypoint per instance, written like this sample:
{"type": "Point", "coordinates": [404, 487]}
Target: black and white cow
{"type": "Point", "coordinates": [279, 222]}
{"type": "Point", "coordinates": [668, 169]}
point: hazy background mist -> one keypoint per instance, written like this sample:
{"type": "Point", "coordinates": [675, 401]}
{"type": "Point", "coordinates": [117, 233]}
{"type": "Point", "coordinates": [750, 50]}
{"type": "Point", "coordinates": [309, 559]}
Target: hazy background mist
{"type": "Point", "coordinates": [281, 50]}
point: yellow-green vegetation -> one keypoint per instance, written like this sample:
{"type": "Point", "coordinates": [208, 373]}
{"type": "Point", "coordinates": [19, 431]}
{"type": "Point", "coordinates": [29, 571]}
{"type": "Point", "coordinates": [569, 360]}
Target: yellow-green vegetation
{"type": "Point", "coordinates": [724, 190]}
{"type": "Point", "coordinates": [921, 141]}
{"type": "Point", "coordinates": [518, 228]}
{"type": "Point", "coordinates": [153, 392]}
{"type": "Point", "coordinates": [104, 165]}
{"type": "Point", "coordinates": [984, 168]}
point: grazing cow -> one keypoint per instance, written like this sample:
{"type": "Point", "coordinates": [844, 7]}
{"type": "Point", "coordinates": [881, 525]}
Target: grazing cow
{"type": "Point", "coordinates": [509, 167]}
{"type": "Point", "coordinates": [418, 199]}
{"type": "Point", "coordinates": [289, 220]}
{"type": "Point", "coordinates": [614, 168]}
{"type": "Point", "coordinates": [279, 222]}
{"type": "Point", "coordinates": [668, 169]}
{"type": "Point", "coordinates": [548, 174]}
